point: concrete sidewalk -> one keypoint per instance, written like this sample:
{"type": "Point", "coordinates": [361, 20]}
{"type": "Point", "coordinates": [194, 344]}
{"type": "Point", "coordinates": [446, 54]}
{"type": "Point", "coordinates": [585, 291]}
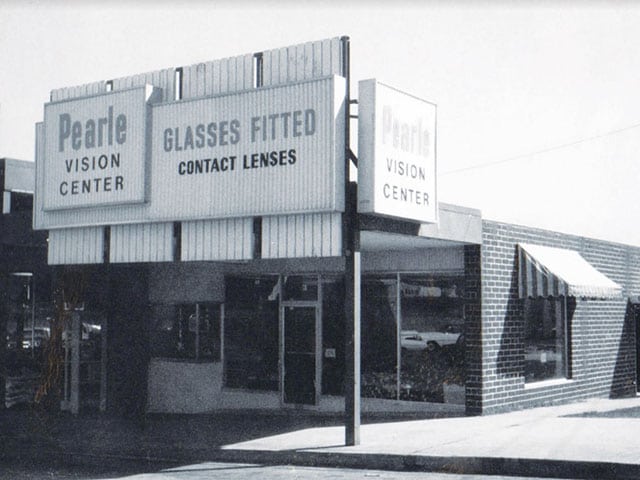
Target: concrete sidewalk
{"type": "Point", "coordinates": [591, 439]}
{"type": "Point", "coordinates": [597, 439]}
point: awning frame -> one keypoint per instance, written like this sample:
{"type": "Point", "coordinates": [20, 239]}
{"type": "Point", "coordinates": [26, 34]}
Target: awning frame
{"type": "Point", "coordinates": [548, 271]}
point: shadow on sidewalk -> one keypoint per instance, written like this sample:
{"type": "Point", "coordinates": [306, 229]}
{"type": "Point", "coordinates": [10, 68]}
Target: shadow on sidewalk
{"type": "Point", "coordinates": [31, 431]}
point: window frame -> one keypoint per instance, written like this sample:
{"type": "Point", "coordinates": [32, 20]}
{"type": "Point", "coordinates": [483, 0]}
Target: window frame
{"type": "Point", "coordinates": [182, 316]}
{"type": "Point", "coordinates": [558, 303]}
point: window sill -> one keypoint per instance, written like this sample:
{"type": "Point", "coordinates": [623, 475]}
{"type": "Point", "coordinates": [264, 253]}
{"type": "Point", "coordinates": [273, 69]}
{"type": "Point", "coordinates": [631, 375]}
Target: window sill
{"type": "Point", "coordinates": [548, 383]}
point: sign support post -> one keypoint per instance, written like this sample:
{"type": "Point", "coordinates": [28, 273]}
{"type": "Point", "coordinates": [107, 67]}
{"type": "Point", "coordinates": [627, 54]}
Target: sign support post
{"type": "Point", "coordinates": [351, 249]}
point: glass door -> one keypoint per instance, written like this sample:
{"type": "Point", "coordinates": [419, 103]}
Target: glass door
{"type": "Point", "coordinates": [300, 352]}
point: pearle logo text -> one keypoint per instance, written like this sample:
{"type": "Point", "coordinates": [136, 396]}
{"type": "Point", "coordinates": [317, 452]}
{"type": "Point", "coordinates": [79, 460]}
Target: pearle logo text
{"type": "Point", "coordinates": [96, 132]}
{"type": "Point", "coordinates": [106, 133]}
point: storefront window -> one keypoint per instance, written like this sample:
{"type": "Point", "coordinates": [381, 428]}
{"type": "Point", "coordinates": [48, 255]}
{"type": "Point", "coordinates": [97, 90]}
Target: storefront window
{"type": "Point", "coordinates": [417, 358]}
{"type": "Point", "coordinates": [379, 333]}
{"type": "Point", "coordinates": [431, 340]}
{"type": "Point", "coordinates": [251, 333]}
{"type": "Point", "coordinates": [545, 340]}
{"type": "Point", "coordinates": [189, 331]}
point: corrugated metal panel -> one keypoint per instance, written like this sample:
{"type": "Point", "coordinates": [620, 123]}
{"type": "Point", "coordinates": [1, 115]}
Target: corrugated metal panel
{"type": "Point", "coordinates": [149, 242]}
{"type": "Point", "coordinates": [164, 79]}
{"type": "Point", "coordinates": [295, 236]}
{"type": "Point", "coordinates": [302, 62]}
{"type": "Point", "coordinates": [76, 246]}
{"type": "Point", "coordinates": [230, 239]}
{"type": "Point", "coordinates": [217, 77]}
{"type": "Point", "coordinates": [78, 91]}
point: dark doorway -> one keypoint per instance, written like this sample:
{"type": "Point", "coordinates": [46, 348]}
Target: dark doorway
{"type": "Point", "coordinates": [300, 354]}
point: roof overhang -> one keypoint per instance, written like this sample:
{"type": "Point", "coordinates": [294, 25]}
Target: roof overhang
{"type": "Point", "coordinates": [456, 226]}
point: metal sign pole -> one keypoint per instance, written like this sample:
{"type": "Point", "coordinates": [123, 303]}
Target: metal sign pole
{"type": "Point", "coordinates": [351, 251]}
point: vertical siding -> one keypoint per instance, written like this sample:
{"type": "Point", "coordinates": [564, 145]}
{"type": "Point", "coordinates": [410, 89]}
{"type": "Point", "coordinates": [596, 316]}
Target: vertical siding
{"type": "Point", "coordinates": [220, 76]}
{"type": "Point", "coordinates": [229, 239]}
{"type": "Point", "coordinates": [87, 89]}
{"type": "Point", "coordinates": [302, 62]}
{"type": "Point", "coordinates": [311, 235]}
{"type": "Point", "coordinates": [150, 242]}
{"type": "Point", "coordinates": [71, 246]}
{"type": "Point", "coordinates": [164, 79]}
{"type": "Point", "coordinates": [295, 236]}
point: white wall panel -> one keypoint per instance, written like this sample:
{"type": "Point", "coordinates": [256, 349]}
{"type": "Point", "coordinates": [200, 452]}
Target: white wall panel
{"type": "Point", "coordinates": [164, 79]}
{"type": "Point", "coordinates": [149, 242]}
{"type": "Point", "coordinates": [229, 239]}
{"type": "Point", "coordinates": [295, 236]}
{"type": "Point", "coordinates": [302, 62]}
{"type": "Point", "coordinates": [71, 246]}
{"type": "Point", "coordinates": [78, 91]}
{"type": "Point", "coordinates": [218, 77]}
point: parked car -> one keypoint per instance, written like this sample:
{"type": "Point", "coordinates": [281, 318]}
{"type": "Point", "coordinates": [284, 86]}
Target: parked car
{"type": "Point", "coordinates": [414, 340]}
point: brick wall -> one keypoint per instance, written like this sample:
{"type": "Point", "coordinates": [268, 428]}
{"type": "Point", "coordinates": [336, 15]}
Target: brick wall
{"type": "Point", "coordinates": [603, 348]}
{"type": "Point", "coordinates": [473, 329]}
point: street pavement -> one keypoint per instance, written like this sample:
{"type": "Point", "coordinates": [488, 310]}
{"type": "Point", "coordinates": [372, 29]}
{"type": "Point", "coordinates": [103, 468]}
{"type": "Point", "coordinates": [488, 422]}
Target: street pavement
{"type": "Point", "coordinates": [211, 471]}
{"type": "Point", "coordinates": [595, 439]}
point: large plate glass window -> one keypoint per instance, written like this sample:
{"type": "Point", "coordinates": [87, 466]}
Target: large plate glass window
{"type": "Point", "coordinates": [431, 338]}
{"type": "Point", "coordinates": [412, 337]}
{"type": "Point", "coordinates": [546, 341]}
{"type": "Point", "coordinates": [379, 330]}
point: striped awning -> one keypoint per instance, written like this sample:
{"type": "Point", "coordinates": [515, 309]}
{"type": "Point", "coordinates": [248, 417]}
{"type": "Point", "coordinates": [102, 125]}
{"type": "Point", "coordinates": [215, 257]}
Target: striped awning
{"type": "Point", "coordinates": [547, 271]}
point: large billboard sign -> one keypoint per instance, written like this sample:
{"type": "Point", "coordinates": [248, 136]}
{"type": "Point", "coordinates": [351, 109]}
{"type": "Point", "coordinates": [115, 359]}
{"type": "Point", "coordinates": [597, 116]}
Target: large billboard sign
{"type": "Point", "coordinates": [396, 154]}
{"type": "Point", "coordinates": [258, 152]}
{"type": "Point", "coordinates": [95, 150]}
{"type": "Point", "coordinates": [123, 157]}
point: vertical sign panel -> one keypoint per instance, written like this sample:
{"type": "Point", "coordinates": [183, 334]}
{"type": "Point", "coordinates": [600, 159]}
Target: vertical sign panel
{"type": "Point", "coordinates": [396, 154]}
{"type": "Point", "coordinates": [95, 150]}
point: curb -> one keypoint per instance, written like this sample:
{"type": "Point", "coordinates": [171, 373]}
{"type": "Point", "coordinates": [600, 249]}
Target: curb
{"type": "Point", "coordinates": [389, 462]}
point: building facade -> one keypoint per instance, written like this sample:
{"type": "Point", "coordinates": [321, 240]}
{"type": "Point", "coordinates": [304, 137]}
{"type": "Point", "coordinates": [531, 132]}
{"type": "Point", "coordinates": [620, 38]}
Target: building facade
{"type": "Point", "coordinates": [198, 225]}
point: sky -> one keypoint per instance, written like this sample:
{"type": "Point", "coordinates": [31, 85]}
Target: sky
{"type": "Point", "coordinates": [538, 110]}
